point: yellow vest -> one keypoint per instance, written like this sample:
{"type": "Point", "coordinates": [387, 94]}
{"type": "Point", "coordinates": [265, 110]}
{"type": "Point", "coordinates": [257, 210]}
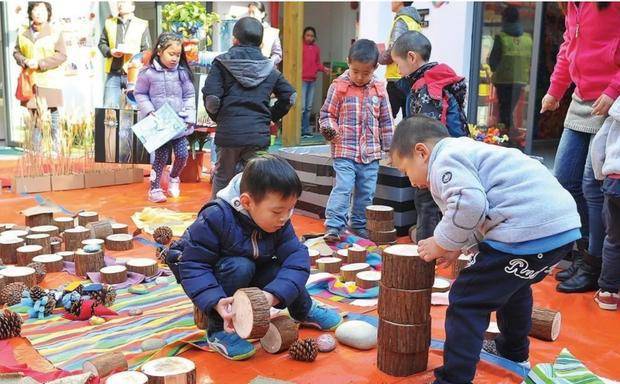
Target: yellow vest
{"type": "Point", "coordinates": [133, 37]}
{"type": "Point", "coordinates": [391, 72]}
{"type": "Point", "coordinates": [39, 50]}
{"type": "Point", "coordinates": [514, 67]}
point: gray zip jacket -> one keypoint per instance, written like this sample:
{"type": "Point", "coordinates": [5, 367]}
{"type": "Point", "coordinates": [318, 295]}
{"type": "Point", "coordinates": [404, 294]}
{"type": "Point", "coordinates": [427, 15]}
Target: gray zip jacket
{"type": "Point", "coordinates": [606, 145]}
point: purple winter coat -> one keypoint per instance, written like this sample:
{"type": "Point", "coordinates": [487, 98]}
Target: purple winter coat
{"type": "Point", "coordinates": [157, 85]}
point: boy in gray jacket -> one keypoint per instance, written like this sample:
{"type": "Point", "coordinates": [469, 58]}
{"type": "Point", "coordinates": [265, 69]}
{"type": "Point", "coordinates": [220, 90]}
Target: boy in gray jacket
{"type": "Point", "coordinates": [606, 165]}
{"type": "Point", "coordinates": [509, 205]}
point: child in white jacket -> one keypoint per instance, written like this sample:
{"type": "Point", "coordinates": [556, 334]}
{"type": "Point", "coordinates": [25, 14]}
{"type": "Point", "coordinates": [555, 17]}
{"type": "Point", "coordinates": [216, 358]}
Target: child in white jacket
{"type": "Point", "coordinates": [606, 164]}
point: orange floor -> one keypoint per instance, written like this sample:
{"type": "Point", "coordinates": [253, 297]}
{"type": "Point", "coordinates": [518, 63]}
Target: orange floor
{"type": "Point", "coordinates": [590, 333]}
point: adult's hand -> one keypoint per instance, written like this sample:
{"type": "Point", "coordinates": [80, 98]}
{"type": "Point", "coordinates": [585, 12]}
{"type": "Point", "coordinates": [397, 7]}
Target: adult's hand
{"type": "Point", "coordinates": [116, 53]}
{"type": "Point", "coordinates": [601, 105]}
{"type": "Point", "coordinates": [549, 103]}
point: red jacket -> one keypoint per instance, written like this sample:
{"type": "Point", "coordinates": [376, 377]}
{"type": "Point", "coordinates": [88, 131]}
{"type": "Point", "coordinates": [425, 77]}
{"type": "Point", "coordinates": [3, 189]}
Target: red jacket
{"type": "Point", "coordinates": [590, 53]}
{"type": "Point", "coordinates": [311, 62]}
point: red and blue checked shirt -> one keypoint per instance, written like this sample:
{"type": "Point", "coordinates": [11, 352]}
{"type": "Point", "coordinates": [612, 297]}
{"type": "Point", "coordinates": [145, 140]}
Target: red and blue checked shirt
{"type": "Point", "coordinates": [362, 118]}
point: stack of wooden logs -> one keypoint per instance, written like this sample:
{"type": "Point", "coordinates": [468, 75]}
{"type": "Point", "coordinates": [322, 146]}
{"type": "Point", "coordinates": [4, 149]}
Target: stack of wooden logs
{"type": "Point", "coordinates": [404, 311]}
{"type": "Point", "coordinates": [380, 224]}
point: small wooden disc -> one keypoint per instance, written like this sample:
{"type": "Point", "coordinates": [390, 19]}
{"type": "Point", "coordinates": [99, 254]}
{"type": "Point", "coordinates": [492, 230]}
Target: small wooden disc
{"type": "Point", "coordinates": [314, 255]}
{"type": "Point", "coordinates": [368, 279]}
{"type": "Point", "coordinates": [87, 217]}
{"type": "Point", "coordinates": [400, 364]}
{"type": "Point", "coordinates": [492, 331]}
{"type": "Point", "coordinates": [25, 253]}
{"type": "Point", "coordinates": [380, 225]}
{"type": "Point", "coordinates": [546, 324]}
{"type": "Point", "coordinates": [100, 229]}
{"type": "Point", "coordinates": [329, 264]}
{"type": "Point", "coordinates": [51, 230]}
{"type": "Point", "coordinates": [52, 263]}
{"type": "Point", "coordinates": [356, 254]}
{"type": "Point", "coordinates": [282, 333]}
{"type": "Point", "coordinates": [200, 318]}
{"type": "Point", "coordinates": [67, 255]}
{"type": "Point", "coordinates": [383, 237]}
{"type": "Point", "coordinates": [2, 283]}
{"type": "Point", "coordinates": [441, 285]}
{"type": "Point", "coordinates": [342, 254]}
{"type": "Point", "coordinates": [38, 216]}
{"type": "Point", "coordinates": [99, 242]}
{"type": "Point", "coordinates": [143, 266]}
{"type": "Point", "coordinates": [127, 377]}
{"type": "Point", "coordinates": [379, 213]}
{"type": "Point", "coordinates": [74, 236]}
{"type": "Point", "coordinates": [119, 228]}
{"type": "Point", "coordinates": [105, 364]}
{"type": "Point", "coordinates": [42, 239]}
{"type": "Point", "coordinates": [15, 233]}
{"type": "Point", "coordinates": [404, 306]}
{"type": "Point", "coordinates": [88, 262]}
{"type": "Point", "coordinates": [119, 242]}
{"type": "Point", "coordinates": [8, 249]}
{"type": "Point", "coordinates": [56, 246]}
{"type": "Point", "coordinates": [250, 313]}
{"type": "Point", "coordinates": [403, 268]}
{"type": "Point", "coordinates": [404, 338]}
{"type": "Point", "coordinates": [14, 274]}
{"type": "Point", "coordinates": [349, 271]}
{"type": "Point", "coordinates": [6, 227]}
{"type": "Point", "coordinates": [170, 370]}
{"type": "Point", "coordinates": [114, 274]}
{"type": "Point", "coordinates": [64, 222]}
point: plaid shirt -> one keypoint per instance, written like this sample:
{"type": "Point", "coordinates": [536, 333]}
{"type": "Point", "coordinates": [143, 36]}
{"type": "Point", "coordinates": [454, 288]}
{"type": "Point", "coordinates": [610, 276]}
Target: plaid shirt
{"type": "Point", "coordinates": [362, 118]}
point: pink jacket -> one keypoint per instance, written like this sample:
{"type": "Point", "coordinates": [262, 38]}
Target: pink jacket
{"type": "Point", "coordinates": [590, 53]}
{"type": "Point", "coordinates": [311, 63]}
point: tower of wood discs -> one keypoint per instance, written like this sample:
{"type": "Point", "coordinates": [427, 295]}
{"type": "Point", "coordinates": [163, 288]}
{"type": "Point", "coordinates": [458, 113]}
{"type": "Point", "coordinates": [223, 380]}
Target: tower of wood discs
{"type": "Point", "coordinates": [380, 224]}
{"type": "Point", "coordinates": [404, 311]}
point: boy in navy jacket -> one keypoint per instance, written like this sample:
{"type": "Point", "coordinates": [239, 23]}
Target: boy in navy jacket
{"type": "Point", "coordinates": [245, 238]}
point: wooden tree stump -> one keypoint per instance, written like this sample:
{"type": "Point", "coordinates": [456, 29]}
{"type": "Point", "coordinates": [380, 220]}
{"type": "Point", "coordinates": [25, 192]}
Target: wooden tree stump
{"type": "Point", "coordinates": [8, 249]}
{"type": "Point", "coordinates": [16, 232]}
{"type": "Point", "coordinates": [404, 338]}
{"type": "Point", "coordinates": [348, 271]}
{"type": "Point", "coordinates": [404, 306]}
{"type": "Point", "coordinates": [88, 262]}
{"type": "Point", "coordinates": [74, 236]}
{"type": "Point", "coordinates": [368, 279]}
{"type": "Point", "coordinates": [38, 215]}
{"type": "Point", "coordinates": [461, 263]}
{"type": "Point", "coordinates": [13, 274]}
{"type": "Point", "coordinates": [5, 227]}
{"type": "Point", "coordinates": [119, 242]}
{"type": "Point", "coordinates": [56, 245]}
{"type": "Point", "coordinates": [383, 237]}
{"type": "Point", "coordinates": [314, 255]}
{"type": "Point", "coordinates": [356, 254]}
{"type": "Point", "coordinates": [67, 255]}
{"type": "Point", "coordinates": [106, 364]}
{"type": "Point", "coordinates": [2, 284]}
{"type": "Point", "coordinates": [379, 213]}
{"type": "Point", "coordinates": [200, 318]}
{"type": "Point", "coordinates": [52, 263]}
{"type": "Point", "coordinates": [400, 364]}
{"type": "Point", "coordinates": [114, 274]}
{"type": "Point", "coordinates": [441, 285]}
{"type": "Point", "coordinates": [171, 370]}
{"type": "Point", "coordinates": [250, 313]}
{"type": "Point", "coordinates": [143, 266]}
{"type": "Point", "coordinates": [27, 252]}
{"type": "Point", "coordinates": [51, 230]}
{"type": "Point", "coordinates": [119, 228]}
{"type": "Point", "coordinates": [42, 239]}
{"type": "Point", "coordinates": [380, 225]}
{"type": "Point", "coordinates": [100, 229]}
{"type": "Point", "coordinates": [127, 377]}
{"type": "Point", "coordinates": [86, 217]}
{"type": "Point", "coordinates": [342, 254]}
{"type": "Point", "coordinates": [329, 264]}
{"type": "Point", "coordinates": [282, 333]}
{"type": "Point", "coordinates": [64, 222]}
{"type": "Point", "coordinates": [98, 242]}
{"type": "Point", "coordinates": [546, 324]}
{"type": "Point", "coordinates": [403, 268]}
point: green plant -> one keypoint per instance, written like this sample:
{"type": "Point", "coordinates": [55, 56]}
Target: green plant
{"type": "Point", "coordinates": [197, 137]}
{"type": "Point", "coordinates": [187, 18]}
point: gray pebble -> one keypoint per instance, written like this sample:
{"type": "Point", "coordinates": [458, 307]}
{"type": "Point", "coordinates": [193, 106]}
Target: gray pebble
{"type": "Point", "coordinates": [135, 312]}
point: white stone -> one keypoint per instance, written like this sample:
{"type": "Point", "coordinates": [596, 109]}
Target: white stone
{"type": "Point", "coordinates": [357, 334]}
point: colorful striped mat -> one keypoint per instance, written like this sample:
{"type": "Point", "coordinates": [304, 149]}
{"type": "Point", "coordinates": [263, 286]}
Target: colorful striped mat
{"type": "Point", "coordinates": [167, 314]}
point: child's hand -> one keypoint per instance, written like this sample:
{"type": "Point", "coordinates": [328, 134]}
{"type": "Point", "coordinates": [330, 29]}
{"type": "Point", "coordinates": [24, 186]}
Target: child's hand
{"type": "Point", "coordinates": [224, 308]}
{"type": "Point", "coordinates": [271, 299]}
{"type": "Point", "coordinates": [601, 105]}
{"type": "Point", "coordinates": [336, 139]}
{"type": "Point", "coordinates": [549, 103]}
{"type": "Point", "coordinates": [429, 250]}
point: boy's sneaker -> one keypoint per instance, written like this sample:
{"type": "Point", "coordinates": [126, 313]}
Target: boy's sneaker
{"type": "Point", "coordinates": [360, 232]}
{"type": "Point", "coordinates": [332, 235]}
{"type": "Point", "coordinates": [157, 195]}
{"type": "Point", "coordinates": [230, 345]}
{"type": "Point", "coordinates": [489, 346]}
{"type": "Point", "coordinates": [174, 187]}
{"type": "Point", "coordinates": [325, 319]}
{"type": "Point", "coordinates": [607, 300]}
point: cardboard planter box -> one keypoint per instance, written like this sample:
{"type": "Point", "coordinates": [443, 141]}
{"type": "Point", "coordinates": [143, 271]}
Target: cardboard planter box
{"type": "Point", "coordinates": [67, 182]}
{"type": "Point", "coordinates": [99, 179]}
{"type": "Point", "coordinates": [32, 184]}
{"type": "Point", "coordinates": [138, 175]}
{"type": "Point", "coordinates": [123, 176]}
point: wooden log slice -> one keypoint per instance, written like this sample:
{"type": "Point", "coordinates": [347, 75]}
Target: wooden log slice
{"type": "Point", "coordinates": [441, 285]}
{"type": "Point", "coordinates": [43, 218]}
{"type": "Point", "coordinates": [379, 213]}
{"type": "Point", "coordinates": [119, 242]}
{"type": "Point", "coordinates": [73, 237]}
{"type": "Point", "coordinates": [329, 264]}
{"type": "Point", "coordinates": [42, 239]}
{"type": "Point", "coordinates": [492, 331]}
{"type": "Point", "coordinates": [170, 370]}
{"type": "Point", "coordinates": [403, 268]}
{"type": "Point", "coordinates": [87, 217]}
{"type": "Point", "coordinates": [15, 233]}
{"type": "Point", "coordinates": [400, 364]}
{"type": "Point", "coordinates": [356, 254]}
{"type": "Point", "coordinates": [2, 284]}
{"type": "Point", "coordinates": [546, 324]}
{"type": "Point", "coordinates": [52, 263]}
{"type": "Point", "coordinates": [380, 225]}
{"type": "Point", "coordinates": [282, 333]}
{"type": "Point", "coordinates": [314, 255]}
{"type": "Point", "coordinates": [143, 266]}
{"type": "Point", "coordinates": [114, 274]}
{"type": "Point", "coordinates": [342, 254]}
{"type": "Point", "coordinates": [404, 306]}
{"type": "Point", "coordinates": [6, 227]}
{"type": "Point", "coordinates": [98, 242]}
{"type": "Point", "coordinates": [8, 249]}
{"type": "Point", "coordinates": [88, 262]}
{"type": "Point", "coordinates": [55, 246]}
{"type": "Point", "coordinates": [51, 230]}
{"type": "Point", "coordinates": [25, 253]}
{"type": "Point", "coordinates": [119, 228]}
{"type": "Point", "coordinates": [250, 313]}
{"type": "Point", "coordinates": [368, 279]}
{"type": "Point", "coordinates": [67, 255]}
{"type": "Point", "coordinates": [64, 222]}
{"type": "Point", "coordinates": [14, 274]}
{"type": "Point", "coordinates": [348, 271]}
{"type": "Point", "coordinates": [106, 364]}
{"type": "Point", "coordinates": [383, 237]}
{"type": "Point", "coordinates": [200, 318]}
{"type": "Point", "coordinates": [461, 263]}
{"type": "Point", "coordinates": [127, 377]}
{"type": "Point", "coordinates": [100, 229]}
{"type": "Point", "coordinates": [404, 338]}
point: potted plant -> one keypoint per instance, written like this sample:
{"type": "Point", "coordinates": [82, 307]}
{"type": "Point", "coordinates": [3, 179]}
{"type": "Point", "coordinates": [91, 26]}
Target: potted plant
{"type": "Point", "coordinates": [193, 169]}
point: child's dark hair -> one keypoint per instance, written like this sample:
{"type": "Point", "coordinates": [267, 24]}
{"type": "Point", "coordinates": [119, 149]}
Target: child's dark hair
{"type": "Point", "coordinates": [260, 6]}
{"type": "Point", "coordinates": [248, 31]}
{"type": "Point", "coordinates": [407, 3]}
{"type": "Point", "coordinates": [268, 173]}
{"type": "Point", "coordinates": [412, 41]}
{"type": "Point", "coordinates": [48, 6]}
{"type": "Point", "coordinates": [364, 51]}
{"type": "Point", "coordinates": [309, 29]}
{"type": "Point", "coordinates": [164, 41]}
{"type": "Point", "coordinates": [510, 14]}
{"type": "Point", "coordinates": [416, 129]}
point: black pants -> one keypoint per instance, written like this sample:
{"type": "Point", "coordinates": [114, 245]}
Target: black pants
{"type": "Point", "coordinates": [226, 167]}
{"type": "Point", "coordinates": [398, 99]}
{"type": "Point", "coordinates": [428, 214]}
{"type": "Point", "coordinates": [507, 97]}
{"type": "Point", "coordinates": [496, 281]}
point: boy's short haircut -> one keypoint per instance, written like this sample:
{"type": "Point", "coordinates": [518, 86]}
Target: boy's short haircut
{"type": "Point", "coordinates": [364, 51]}
{"type": "Point", "coordinates": [268, 173]}
{"type": "Point", "coordinates": [248, 31]}
{"type": "Point", "coordinates": [407, 3]}
{"type": "Point", "coordinates": [414, 130]}
{"type": "Point", "coordinates": [412, 41]}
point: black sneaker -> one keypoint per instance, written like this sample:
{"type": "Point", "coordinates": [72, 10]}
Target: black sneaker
{"type": "Point", "coordinates": [332, 235]}
{"type": "Point", "coordinates": [489, 346]}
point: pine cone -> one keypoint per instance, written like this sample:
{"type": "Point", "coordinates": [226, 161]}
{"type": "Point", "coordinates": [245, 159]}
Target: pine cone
{"type": "Point", "coordinates": [39, 271]}
{"type": "Point", "coordinates": [105, 296]}
{"type": "Point", "coordinates": [12, 293]}
{"type": "Point", "coordinates": [36, 293]}
{"type": "Point", "coordinates": [51, 304]}
{"type": "Point", "coordinates": [76, 307]}
{"type": "Point", "coordinates": [304, 350]}
{"type": "Point", "coordinates": [163, 235]}
{"type": "Point", "coordinates": [10, 324]}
